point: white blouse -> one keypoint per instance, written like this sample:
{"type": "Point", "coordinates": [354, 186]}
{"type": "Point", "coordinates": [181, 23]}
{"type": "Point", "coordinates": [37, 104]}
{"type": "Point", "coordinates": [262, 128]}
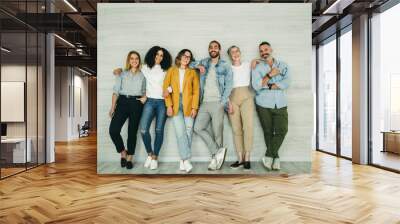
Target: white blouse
{"type": "Point", "coordinates": [154, 81]}
{"type": "Point", "coordinates": [181, 77]}
{"type": "Point", "coordinates": [241, 74]}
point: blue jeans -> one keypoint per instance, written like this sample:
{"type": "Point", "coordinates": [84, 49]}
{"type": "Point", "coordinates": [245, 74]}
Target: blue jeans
{"type": "Point", "coordinates": [183, 130]}
{"type": "Point", "coordinates": [153, 108]}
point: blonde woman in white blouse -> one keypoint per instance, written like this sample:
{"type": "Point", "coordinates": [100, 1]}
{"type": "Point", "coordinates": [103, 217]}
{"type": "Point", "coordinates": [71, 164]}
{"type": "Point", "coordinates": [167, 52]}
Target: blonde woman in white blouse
{"type": "Point", "coordinates": [242, 100]}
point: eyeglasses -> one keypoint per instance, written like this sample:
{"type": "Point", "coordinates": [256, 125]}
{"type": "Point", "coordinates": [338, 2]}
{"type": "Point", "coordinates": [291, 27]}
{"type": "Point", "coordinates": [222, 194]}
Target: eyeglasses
{"type": "Point", "coordinates": [185, 56]}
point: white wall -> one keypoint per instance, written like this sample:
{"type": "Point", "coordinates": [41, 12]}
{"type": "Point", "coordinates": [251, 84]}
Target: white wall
{"type": "Point", "coordinates": [17, 73]}
{"type": "Point", "coordinates": [12, 73]}
{"type": "Point", "coordinates": [80, 84]}
{"type": "Point", "coordinates": [67, 81]}
{"type": "Point", "coordinates": [124, 27]}
{"type": "Point", "coordinates": [33, 127]}
{"type": "Point", "coordinates": [61, 103]}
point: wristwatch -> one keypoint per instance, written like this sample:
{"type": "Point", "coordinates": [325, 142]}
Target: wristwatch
{"type": "Point", "coordinates": [269, 86]}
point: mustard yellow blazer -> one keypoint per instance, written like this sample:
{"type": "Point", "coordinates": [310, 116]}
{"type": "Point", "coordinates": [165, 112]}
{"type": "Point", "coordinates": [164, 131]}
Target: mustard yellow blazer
{"type": "Point", "coordinates": [190, 93]}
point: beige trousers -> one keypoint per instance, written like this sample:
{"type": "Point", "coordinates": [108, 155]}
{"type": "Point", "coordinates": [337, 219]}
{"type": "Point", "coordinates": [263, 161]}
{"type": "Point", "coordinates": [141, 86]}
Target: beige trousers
{"type": "Point", "coordinates": [242, 100]}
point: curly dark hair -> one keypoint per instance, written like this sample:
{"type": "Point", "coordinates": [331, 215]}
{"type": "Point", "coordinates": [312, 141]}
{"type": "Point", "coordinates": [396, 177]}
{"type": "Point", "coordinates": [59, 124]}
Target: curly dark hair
{"type": "Point", "coordinates": [149, 59]}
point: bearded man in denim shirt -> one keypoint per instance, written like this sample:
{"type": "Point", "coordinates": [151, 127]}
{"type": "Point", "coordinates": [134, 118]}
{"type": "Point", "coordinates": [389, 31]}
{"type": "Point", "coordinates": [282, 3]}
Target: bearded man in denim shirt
{"type": "Point", "coordinates": [216, 82]}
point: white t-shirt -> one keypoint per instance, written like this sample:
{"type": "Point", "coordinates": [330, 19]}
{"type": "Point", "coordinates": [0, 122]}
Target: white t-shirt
{"type": "Point", "coordinates": [181, 77]}
{"type": "Point", "coordinates": [241, 75]}
{"type": "Point", "coordinates": [154, 81]}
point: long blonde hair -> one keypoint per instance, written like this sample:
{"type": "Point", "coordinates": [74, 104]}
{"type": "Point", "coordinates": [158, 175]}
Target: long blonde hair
{"type": "Point", "coordinates": [128, 65]}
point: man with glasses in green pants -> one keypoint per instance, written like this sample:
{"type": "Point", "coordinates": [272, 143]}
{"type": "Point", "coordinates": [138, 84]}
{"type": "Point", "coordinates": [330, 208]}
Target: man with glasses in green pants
{"type": "Point", "coordinates": [270, 79]}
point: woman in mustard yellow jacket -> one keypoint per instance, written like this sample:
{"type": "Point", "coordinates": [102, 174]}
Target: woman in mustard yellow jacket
{"type": "Point", "coordinates": [182, 92]}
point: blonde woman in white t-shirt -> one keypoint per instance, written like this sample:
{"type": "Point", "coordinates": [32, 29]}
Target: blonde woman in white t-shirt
{"type": "Point", "coordinates": [242, 100]}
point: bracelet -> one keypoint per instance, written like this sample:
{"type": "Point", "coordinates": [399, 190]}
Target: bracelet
{"type": "Point", "coordinates": [169, 89]}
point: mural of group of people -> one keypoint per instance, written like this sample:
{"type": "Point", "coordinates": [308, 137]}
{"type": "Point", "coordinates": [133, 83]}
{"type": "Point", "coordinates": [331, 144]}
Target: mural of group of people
{"type": "Point", "coordinates": [195, 94]}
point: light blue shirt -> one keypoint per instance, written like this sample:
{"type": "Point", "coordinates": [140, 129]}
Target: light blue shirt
{"type": "Point", "coordinates": [264, 96]}
{"type": "Point", "coordinates": [130, 84]}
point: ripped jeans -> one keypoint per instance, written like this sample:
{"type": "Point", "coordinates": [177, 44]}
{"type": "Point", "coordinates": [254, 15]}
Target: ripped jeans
{"type": "Point", "coordinates": [153, 108]}
{"type": "Point", "coordinates": [183, 130]}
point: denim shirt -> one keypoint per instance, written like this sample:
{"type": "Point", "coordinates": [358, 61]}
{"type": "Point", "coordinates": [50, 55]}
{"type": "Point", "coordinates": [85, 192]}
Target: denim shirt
{"type": "Point", "coordinates": [271, 98]}
{"type": "Point", "coordinates": [224, 78]}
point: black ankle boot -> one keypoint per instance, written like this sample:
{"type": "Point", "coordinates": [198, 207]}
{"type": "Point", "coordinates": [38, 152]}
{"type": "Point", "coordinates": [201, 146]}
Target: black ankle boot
{"type": "Point", "coordinates": [129, 165]}
{"type": "Point", "coordinates": [246, 165]}
{"type": "Point", "coordinates": [123, 162]}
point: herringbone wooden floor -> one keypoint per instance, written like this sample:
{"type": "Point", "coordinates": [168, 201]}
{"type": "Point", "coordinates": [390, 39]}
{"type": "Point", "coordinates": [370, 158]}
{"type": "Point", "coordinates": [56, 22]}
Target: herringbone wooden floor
{"type": "Point", "coordinates": [70, 191]}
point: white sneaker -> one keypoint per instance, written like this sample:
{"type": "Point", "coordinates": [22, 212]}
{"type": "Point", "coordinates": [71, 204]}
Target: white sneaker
{"type": "Point", "coordinates": [147, 162]}
{"type": "Point", "coordinates": [213, 164]}
{"type": "Point", "coordinates": [267, 161]}
{"type": "Point", "coordinates": [276, 165]}
{"type": "Point", "coordinates": [220, 157]}
{"type": "Point", "coordinates": [181, 166]}
{"type": "Point", "coordinates": [188, 166]}
{"type": "Point", "coordinates": [153, 164]}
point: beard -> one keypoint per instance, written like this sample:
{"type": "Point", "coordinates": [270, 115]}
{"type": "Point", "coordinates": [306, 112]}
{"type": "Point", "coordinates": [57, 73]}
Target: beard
{"type": "Point", "coordinates": [265, 56]}
{"type": "Point", "coordinates": [213, 54]}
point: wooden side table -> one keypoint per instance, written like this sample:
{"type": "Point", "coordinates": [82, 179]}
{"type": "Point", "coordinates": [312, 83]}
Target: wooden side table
{"type": "Point", "coordinates": [391, 141]}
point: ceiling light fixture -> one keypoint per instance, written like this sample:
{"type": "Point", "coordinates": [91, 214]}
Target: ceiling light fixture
{"type": "Point", "coordinates": [64, 40]}
{"type": "Point", "coordinates": [84, 71]}
{"type": "Point", "coordinates": [333, 9]}
{"type": "Point", "coordinates": [5, 50]}
{"type": "Point", "coordinates": [70, 5]}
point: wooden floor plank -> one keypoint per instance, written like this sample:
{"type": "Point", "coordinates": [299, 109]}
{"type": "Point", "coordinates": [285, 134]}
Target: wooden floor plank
{"type": "Point", "coordinates": [70, 191]}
